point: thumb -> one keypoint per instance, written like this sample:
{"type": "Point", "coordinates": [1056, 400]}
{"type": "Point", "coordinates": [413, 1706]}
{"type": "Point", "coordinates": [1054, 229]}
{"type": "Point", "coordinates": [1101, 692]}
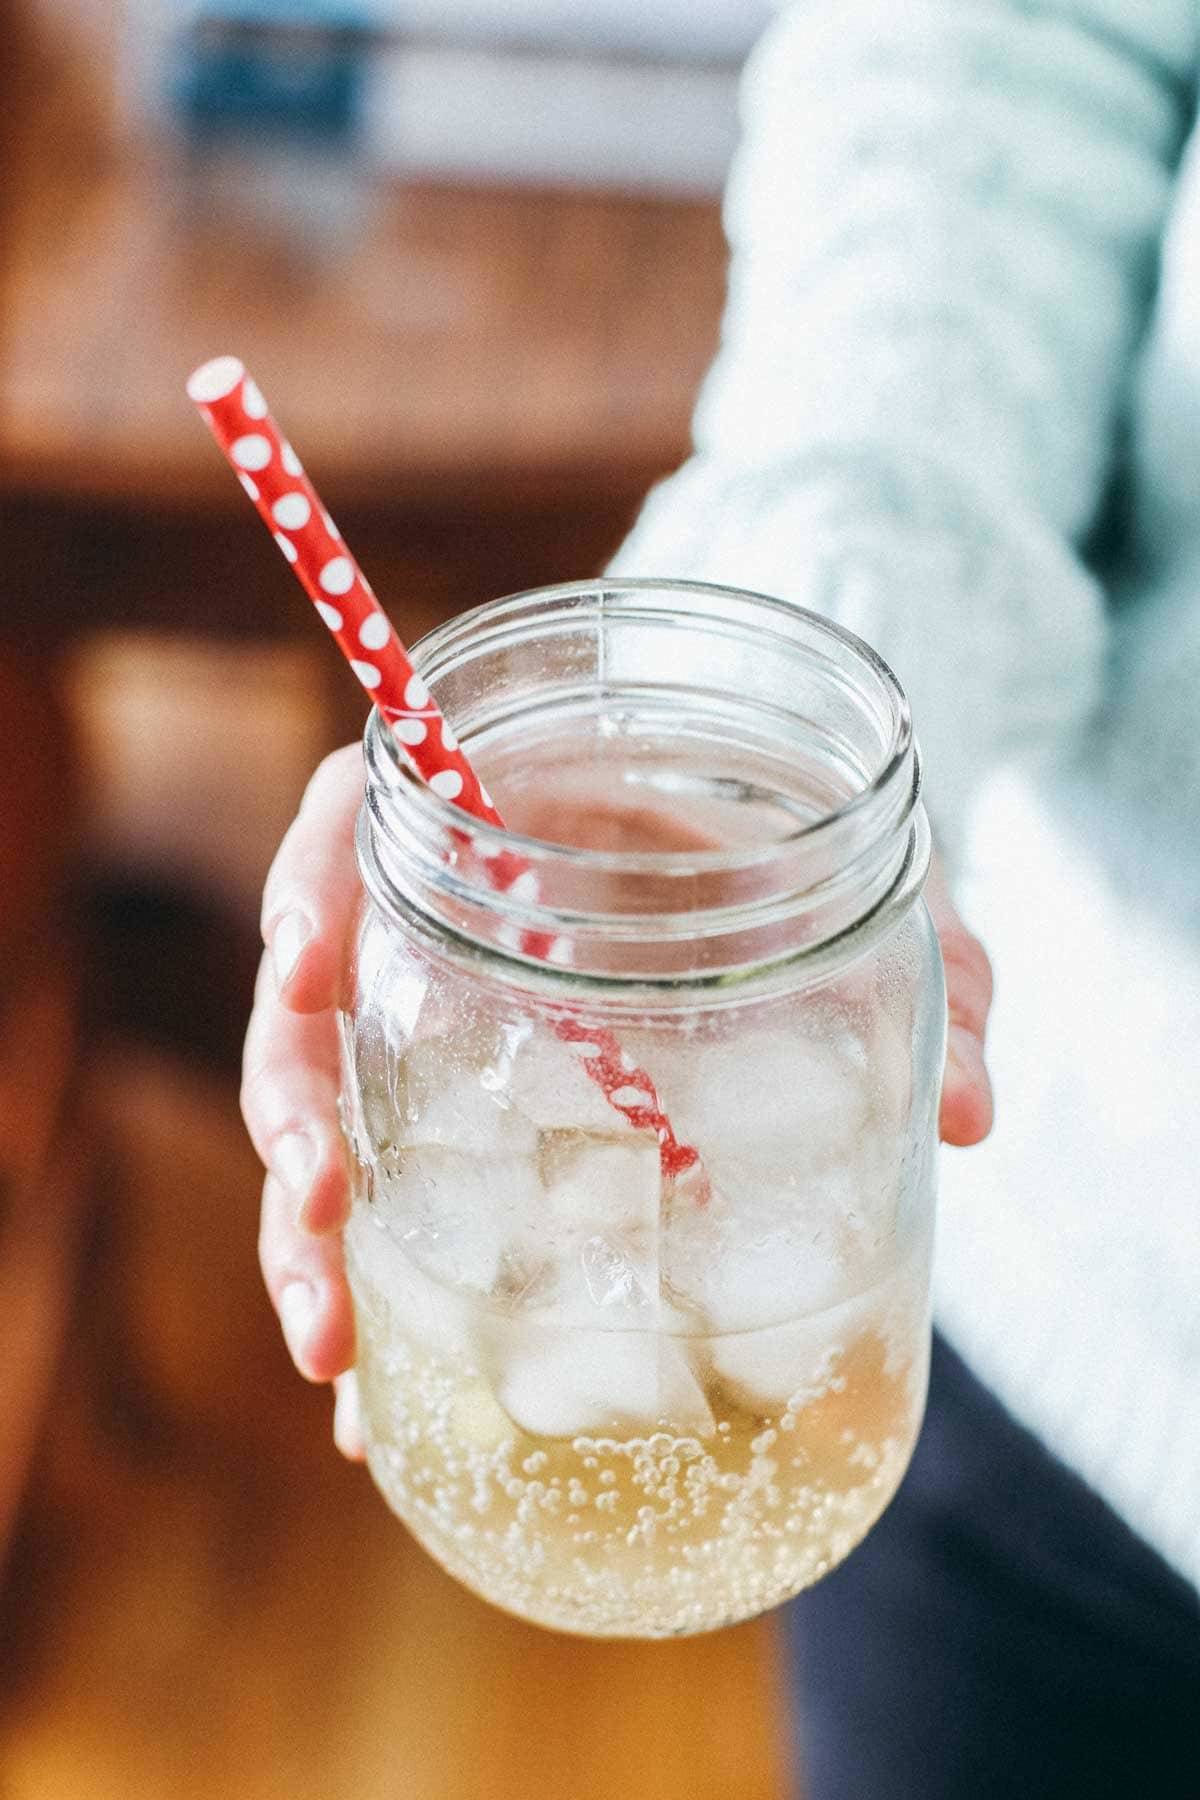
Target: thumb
{"type": "Point", "coordinates": [967, 1106]}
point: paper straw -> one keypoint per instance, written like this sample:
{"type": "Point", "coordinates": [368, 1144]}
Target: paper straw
{"type": "Point", "coordinates": [232, 405]}
{"type": "Point", "coordinates": [270, 471]}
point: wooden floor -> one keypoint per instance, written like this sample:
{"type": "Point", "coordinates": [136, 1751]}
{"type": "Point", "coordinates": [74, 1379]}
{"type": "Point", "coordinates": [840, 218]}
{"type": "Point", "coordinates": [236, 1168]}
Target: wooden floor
{"type": "Point", "coordinates": [206, 1602]}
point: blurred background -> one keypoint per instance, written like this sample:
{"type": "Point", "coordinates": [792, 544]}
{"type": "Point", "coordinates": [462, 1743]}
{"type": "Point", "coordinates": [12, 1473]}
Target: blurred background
{"type": "Point", "coordinates": [472, 251]}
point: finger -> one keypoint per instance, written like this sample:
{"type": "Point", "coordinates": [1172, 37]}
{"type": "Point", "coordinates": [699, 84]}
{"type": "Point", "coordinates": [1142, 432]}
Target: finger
{"type": "Point", "coordinates": [967, 1108]}
{"type": "Point", "coordinates": [289, 1100]}
{"type": "Point", "coordinates": [312, 889]}
{"type": "Point", "coordinates": [347, 1417]}
{"type": "Point", "coordinates": [306, 1280]}
{"type": "Point", "coordinates": [968, 978]}
{"type": "Point", "coordinates": [967, 1103]}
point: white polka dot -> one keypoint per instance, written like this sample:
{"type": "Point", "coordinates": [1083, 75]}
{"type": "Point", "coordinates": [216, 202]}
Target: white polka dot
{"type": "Point", "coordinates": [252, 451]}
{"type": "Point", "coordinates": [330, 614]}
{"type": "Point", "coordinates": [560, 952]}
{"type": "Point", "coordinates": [449, 741]}
{"type": "Point", "coordinates": [253, 404]}
{"type": "Point", "coordinates": [213, 380]}
{"type": "Point", "coordinates": [286, 545]}
{"type": "Point", "coordinates": [250, 485]}
{"type": "Point", "coordinates": [587, 1050]}
{"type": "Point", "coordinates": [416, 694]}
{"type": "Point", "coordinates": [367, 673]}
{"type": "Point", "coordinates": [290, 460]}
{"type": "Point", "coordinates": [525, 887]}
{"type": "Point", "coordinates": [337, 577]}
{"type": "Point", "coordinates": [448, 783]}
{"type": "Point", "coordinates": [330, 527]}
{"type": "Point", "coordinates": [292, 511]}
{"type": "Point", "coordinates": [511, 937]}
{"type": "Point", "coordinates": [409, 731]}
{"type": "Point", "coordinates": [629, 1096]}
{"type": "Point", "coordinates": [374, 631]}
{"type": "Point", "coordinates": [486, 797]}
{"type": "Point", "coordinates": [627, 1062]}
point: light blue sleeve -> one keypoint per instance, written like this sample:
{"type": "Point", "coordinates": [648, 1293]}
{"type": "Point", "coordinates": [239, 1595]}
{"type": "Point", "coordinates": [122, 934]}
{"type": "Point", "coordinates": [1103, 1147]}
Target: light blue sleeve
{"type": "Point", "coordinates": [944, 222]}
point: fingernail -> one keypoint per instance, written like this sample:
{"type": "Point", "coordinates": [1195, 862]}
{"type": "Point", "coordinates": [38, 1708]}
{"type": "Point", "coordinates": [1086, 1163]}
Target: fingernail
{"type": "Point", "coordinates": [293, 1159]}
{"type": "Point", "coordinates": [298, 1315]}
{"type": "Point", "coordinates": [287, 941]}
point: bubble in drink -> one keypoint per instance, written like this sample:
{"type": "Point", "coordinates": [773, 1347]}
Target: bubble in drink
{"type": "Point", "coordinates": [615, 1403]}
{"type": "Point", "coordinates": [618, 1407]}
{"type": "Point", "coordinates": [553, 1383]}
{"type": "Point", "coordinates": [686, 1503]}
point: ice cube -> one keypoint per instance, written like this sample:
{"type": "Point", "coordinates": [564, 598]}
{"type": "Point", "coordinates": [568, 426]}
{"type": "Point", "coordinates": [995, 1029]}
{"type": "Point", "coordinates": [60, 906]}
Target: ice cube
{"type": "Point", "coordinates": [551, 1087]}
{"type": "Point", "coordinates": [431, 1317]}
{"type": "Point", "coordinates": [599, 1181]}
{"type": "Point", "coordinates": [612, 1278]}
{"type": "Point", "coordinates": [455, 1213]}
{"type": "Point", "coordinates": [768, 1368]}
{"type": "Point", "coordinates": [603, 1188]}
{"type": "Point", "coordinates": [738, 1283]}
{"type": "Point", "coordinates": [596, 1235]}
{"type": "Point", "coordinates": [597, 1352]}
{"type": "Point", "coordinates": [773, 1102]}
{"type": "Point", "coordinates": [800, 1200]}
{"type": "Point", "coordinates": [596, 1284]}
{"type": "Point", "coordinates": [561, 1383]}
{"type": "Point", "coordinates": [798, 1360]}
{"type": "Point", "coordinates": [438, 1102]}
{"type": "Point", "coordinates": [757, 1255]}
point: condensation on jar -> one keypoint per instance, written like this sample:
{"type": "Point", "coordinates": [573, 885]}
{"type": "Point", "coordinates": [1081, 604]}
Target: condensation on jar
{"type": "Point", "coordinates": [615, 1389]}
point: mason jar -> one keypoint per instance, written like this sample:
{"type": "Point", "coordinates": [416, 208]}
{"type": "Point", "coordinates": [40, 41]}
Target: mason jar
{"type": "Point", "coordinates": [645, 1356]}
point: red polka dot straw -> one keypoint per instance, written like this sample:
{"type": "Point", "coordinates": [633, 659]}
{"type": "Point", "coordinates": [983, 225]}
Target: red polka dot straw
{"type": "Point", "coordinates": [233, 407]}
{"type": "Point", "coordinates": [271, 473]}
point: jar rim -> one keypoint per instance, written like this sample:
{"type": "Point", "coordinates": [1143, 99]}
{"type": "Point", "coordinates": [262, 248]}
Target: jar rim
{"type": "Point", "coordinates": [432, 653]}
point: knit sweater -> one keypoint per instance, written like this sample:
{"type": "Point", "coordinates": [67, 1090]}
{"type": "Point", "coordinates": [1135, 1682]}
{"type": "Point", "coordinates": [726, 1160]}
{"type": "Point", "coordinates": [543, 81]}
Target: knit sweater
{"type": "Point", "coordinates": [947, 356]}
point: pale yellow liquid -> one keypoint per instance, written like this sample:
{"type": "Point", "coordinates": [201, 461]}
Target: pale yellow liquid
{"type": "Point", "coordinates": [654, 1531]}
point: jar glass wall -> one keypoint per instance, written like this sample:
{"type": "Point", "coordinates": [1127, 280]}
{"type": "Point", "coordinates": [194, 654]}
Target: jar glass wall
{"type": "Point", "coordinates": [616, 1390]}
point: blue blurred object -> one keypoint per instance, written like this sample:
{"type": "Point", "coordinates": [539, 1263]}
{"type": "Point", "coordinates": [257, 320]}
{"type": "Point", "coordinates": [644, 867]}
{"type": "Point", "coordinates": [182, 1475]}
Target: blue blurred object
{"type": "Point", "coordinates": [290, 71]}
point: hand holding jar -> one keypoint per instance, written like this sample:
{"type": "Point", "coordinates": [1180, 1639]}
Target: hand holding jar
{"type": "Point", "coordinates": [609, 1399]}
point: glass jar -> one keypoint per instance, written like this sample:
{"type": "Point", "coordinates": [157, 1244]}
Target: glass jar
{"type": "Point", "coordinates": [615, 1390]}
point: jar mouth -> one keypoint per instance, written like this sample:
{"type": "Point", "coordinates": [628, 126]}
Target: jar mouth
{"type": "Point", "coordinates": [798, 722]}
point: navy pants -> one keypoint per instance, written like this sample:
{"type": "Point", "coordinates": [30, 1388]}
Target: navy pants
{"type": "Point", "coordinates": [1000, 1633]}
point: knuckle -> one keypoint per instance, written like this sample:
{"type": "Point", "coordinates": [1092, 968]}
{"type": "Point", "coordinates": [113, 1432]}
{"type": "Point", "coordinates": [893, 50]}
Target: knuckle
{"type": "Point", "coordinates": [326, 811]}
{"type": "Point", "coordinates": [255, 1070]}
{"type": "Point", "coordinates": [262, 1103]}
{"type": "Point", "coordinates": [268, 1250]}
{"type": "Point", "coordinates": [283, 1254]}
{"type": "Point", "coordinates": [248, 1101]}
{"type": "Point", "coordinates": [277, 883]}
{"type": "Point", "coordinates": [968, 982]}
{"type": "Point", "coordinates": [330, 779]}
